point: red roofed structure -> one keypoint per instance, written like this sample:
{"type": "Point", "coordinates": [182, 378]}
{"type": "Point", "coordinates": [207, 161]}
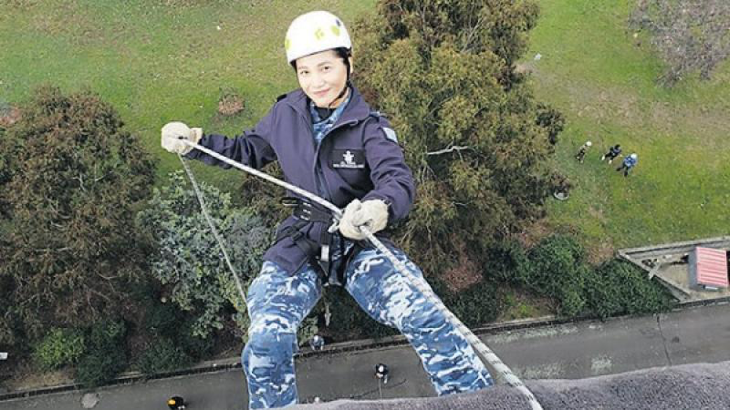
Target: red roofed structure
{"type": "Point", "coordinates": [708, 268]}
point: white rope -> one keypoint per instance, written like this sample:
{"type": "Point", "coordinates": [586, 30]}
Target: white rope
{"type": "Point", "coordinates": [419, 283]}
{"type": "Point", "coordinates": [217, 236]}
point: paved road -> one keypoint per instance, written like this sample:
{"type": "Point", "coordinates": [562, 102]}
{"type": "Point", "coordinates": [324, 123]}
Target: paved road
{"type": "Point", "coordinates": [562, 351]}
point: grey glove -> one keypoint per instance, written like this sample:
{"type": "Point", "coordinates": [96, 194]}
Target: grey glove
{"type": "Point", "coordinates": [372, 213]}
{"type": "Point", "coordinates": [174, 132]}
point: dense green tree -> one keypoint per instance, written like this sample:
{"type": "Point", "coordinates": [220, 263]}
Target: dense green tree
{"type": "Point", "coordinates": [189, 259]}
{"type": "Point", "coordinates": [474, 136]}
{"type": "Point", "coordinates": [71, 177]}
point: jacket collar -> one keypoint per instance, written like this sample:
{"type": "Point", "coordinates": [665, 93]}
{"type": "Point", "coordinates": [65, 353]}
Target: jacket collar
{"type": "Point", "coordinates": [356, 110]}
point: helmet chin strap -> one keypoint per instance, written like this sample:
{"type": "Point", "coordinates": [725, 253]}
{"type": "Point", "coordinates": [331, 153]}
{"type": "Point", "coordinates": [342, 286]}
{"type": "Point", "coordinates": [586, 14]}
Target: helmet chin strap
{"type": "Point", "coordinates": [344, 89]}
{"type": "Point", "coordinates": [340, 95]}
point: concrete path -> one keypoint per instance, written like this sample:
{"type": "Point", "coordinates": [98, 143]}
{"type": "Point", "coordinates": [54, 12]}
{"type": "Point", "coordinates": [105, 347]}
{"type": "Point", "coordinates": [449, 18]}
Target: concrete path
{"type": "Point", "coordinates": [574, 350]}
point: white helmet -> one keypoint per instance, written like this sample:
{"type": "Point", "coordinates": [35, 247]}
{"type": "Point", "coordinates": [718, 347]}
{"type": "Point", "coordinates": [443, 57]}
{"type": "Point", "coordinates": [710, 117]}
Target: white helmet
{"type": "Point", "coordinates": [314, 32]}
{"type": "Point", "coordinates": [588, 143]}
{"type": "Point", "coordinates": [634, 156]}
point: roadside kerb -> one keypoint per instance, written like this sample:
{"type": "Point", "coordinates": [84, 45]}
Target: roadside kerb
{"type": "Point", "coordinates": [213, 366]}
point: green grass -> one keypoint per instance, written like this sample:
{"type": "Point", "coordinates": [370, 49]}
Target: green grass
{"type": "Point", "coordinates": [592, 71]}
{"type": "Point", "coordinates": [157, 60]}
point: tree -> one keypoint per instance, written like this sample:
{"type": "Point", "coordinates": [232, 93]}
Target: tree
{"type": "Point", "coordinates": [475, 138]}
{"type": "Point", "coordinates": [497, 26]}
{"type": "Point", "coordinates": [71, 180]}
{"type": "Point", "coordinates": [691, 35]}
{"type": "Point", "coordinates": [189, 259]}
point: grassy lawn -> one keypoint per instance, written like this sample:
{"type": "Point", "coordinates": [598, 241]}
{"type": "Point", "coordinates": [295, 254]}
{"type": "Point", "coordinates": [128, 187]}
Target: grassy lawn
{"type": "Point", "coordinates": [157, 60]}
{"type": "Point", "coordinates": [592, 70]}
{"type": "Point", "coordinates": [163, 60]}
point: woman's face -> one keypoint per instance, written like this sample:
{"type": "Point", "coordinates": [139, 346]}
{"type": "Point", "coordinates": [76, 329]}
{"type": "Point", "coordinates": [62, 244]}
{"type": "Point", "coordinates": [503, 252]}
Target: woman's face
{"type": "Point", "coordinates": [322, 76]}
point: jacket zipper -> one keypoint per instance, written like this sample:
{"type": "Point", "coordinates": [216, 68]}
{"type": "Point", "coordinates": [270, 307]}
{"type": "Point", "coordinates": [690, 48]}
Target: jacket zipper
{"type": "Point", "coordinates": [318, 166]}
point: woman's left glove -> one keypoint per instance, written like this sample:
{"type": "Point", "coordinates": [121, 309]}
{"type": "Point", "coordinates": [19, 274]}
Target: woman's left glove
{"type": "Point", "coordinates": [373, 214]}
{"type": "Point", "coordinates": [174, 132]}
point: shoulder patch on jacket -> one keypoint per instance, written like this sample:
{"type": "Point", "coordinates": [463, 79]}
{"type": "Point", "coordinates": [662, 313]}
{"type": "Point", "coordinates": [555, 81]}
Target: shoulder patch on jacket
{"type": "Point", "coordinates": [390, 134]}
{"type": "Point", "coordinates": [377, 114]}
{"type": "Point", "coordinates": [281, 97]}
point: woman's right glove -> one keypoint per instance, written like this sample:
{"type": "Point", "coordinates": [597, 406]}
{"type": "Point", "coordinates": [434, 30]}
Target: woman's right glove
{"type": "Point", "coordinates": [174, 132]}
{"type": "Point", "coordinates": [372, 213]}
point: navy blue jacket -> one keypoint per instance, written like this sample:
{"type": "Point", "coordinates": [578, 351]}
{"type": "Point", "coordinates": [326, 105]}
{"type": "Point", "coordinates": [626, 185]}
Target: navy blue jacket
{"type": "Point", "coordinates": [359, 158]}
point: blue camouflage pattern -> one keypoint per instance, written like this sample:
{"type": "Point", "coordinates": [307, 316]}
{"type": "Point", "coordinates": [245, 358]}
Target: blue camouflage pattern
{"type": "Point", "coordinates": [278, 303]}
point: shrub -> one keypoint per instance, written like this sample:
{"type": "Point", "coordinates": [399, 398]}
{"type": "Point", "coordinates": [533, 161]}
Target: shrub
{"type": "Point", "coordinates": [617, 287]}
{"type": "Point", "coordinates": [478, 305]}
{"type": "Point", "coordinates": [166, 320]}
{"type": "Point", "coordinates": [107, 334]}
{"type": "Point", "coordinates": [99, 367]}
{"type": "Point", "coordinates": [505, 261]}
{"type": "Point", "coordinates": [106, 353]}
{"type": "Point", "coordinates": [163, 319]}
{"type": "Point", "coordinates": [552, 120]}
{"type": "Point", "coordinates": [162, 355]}
{"type": "Point", "coordinates": [60, 347]}
{"type": "Point", "coordinates": [556, 269]}
{"type": "Point", "coordinates": [348, 320]}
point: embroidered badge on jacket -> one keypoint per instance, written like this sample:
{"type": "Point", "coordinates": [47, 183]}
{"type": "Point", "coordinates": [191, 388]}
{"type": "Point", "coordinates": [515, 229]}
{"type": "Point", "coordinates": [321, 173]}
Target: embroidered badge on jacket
{"type": "Point", "coordinates": [348, 159]}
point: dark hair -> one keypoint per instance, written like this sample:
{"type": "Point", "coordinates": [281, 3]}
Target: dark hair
{"type": "Point", "coordinates": [342, 52]}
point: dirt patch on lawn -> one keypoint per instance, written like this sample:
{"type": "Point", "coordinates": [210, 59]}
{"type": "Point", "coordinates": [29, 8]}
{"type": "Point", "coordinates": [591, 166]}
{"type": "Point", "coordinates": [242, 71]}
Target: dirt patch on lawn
{"type": "Point", "coordinates": [27, 377]}
{"type": "Point", "coordinates": [9, 116]}
{"type": "Point", "coordinates": [534, 233]}
{"type": "Point", "coordinates": [600, 252]}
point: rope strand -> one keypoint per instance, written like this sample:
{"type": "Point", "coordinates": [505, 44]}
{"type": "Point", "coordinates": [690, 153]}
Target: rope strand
{"type": "Point", "coordinates": [217, 236]}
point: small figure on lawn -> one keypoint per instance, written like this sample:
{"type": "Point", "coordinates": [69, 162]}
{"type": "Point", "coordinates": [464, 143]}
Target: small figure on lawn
{"type": "Point", "coordinates": [628, 164]}
{"type": "Point", "coordinates": [613, 153]}
{"type": "Point", "coordinates": [580, 156]}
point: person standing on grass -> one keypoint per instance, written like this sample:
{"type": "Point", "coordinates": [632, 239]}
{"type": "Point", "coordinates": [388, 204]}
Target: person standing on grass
{"type": "Point", "coordinates": [613, 153]}
{"type": "Point", "coordinates": [580, 156]}
{"type": "Point", "coordinates": [329, 141]}
{"type": "Point", "coordinates": [628, 164]}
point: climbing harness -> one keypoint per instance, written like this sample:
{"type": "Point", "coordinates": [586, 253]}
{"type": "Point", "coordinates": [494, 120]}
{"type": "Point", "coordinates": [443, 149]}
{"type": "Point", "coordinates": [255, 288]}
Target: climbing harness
{"type": "Point", "coordinates": [330, 252]}
{"type": "Point", "coordinates": [487, 354]}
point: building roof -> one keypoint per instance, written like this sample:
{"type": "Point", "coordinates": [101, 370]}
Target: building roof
{"type": "Point", "coordinates": [694, 386]}
{"type": "Point", "coordinates": [711, 267]}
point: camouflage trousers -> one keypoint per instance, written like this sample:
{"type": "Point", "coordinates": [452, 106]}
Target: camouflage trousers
{"type": "Point", "coordinates": [279, 302]}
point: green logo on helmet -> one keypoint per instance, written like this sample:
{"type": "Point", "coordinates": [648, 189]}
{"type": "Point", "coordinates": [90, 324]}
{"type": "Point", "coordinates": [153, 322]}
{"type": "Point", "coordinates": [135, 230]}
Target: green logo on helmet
{"type": "Point", "coordinates": [319, 34]}
{"type": "Point", "coordinates": [335, 30]}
